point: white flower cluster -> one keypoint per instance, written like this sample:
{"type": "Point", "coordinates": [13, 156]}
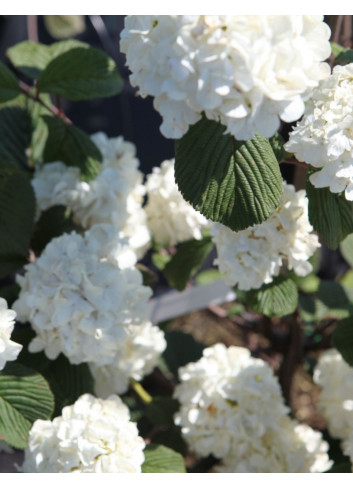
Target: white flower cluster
{"type": "Point", "coordinates": [9, 350]}
{"type": "Point", "coordinates": [324, 137]}
{"type": "Point", "coordinates": [244, 71]}
{"type": "Point", "coordinates": [138, 355]}
{"type": "Point", "coordinates": [170, 218]}
{"type": "Point", "coordinates": [92, 435]}
{"type": "Point", "coordinates": [254, 256]}
{"type": "Point", "coordinates": [114, 197]}
{"type": "Point", "coordinates": [335, 377]}
{"type": "Point", "coordinates": [81, 294]}
{"type": "Point", "coordinates": [232, 408]}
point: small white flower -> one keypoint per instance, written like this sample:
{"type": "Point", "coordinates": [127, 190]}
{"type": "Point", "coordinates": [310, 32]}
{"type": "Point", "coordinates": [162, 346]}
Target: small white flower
{"type": "Point", "coordinates": [137, 356]}
{"type": "Point", "coordinates": [254, 256]}
{"type": "Point", "coordinates": [335, 377]}
{"type": "Point", "coordinates": [170, 218]}
{"type": "Point", "coordinates": [323, 138]}
{"type": "Point", "coordinates": [246, 71]}
{"type": "Point", "coordinates": [92, 435]}
{"type": "Point", "coordinates": [9, 350]}
{"type": "Point", "coordinates": [81, 294]}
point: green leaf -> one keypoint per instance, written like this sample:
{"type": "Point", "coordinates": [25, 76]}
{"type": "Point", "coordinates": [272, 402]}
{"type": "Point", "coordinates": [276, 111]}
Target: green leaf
{"type": "Point", "coordinates": [81, 74]}
{"type": "Point", "coordinates": [69, 144]}
{"type": "Point", "coordinates": [331, 215]}
{"type": "Point", "coordinates": [237, 183]}
{"type": "Point", "coordinates": [277, 144]}
{"type": "Point", "coordinates": [10, 264]}
{"type": "Point", "coordinates": [24, 397]}
{"type": "Point", "coordinates": [160, 459]}
{"type": "Point", "coordinates": [15, 135]}
{"type": "Point", "coordinates": [308, 284]}
{"type": "Point", "coordinates": [346, 248]}
{"type": "Point", "coordinates": [17, 209]}
{"type": "Point", "coordinates": [61, 26]}
{"type": "Point", "coordinates": [9, 87]}
{"type": "Point", "coordinates": [187, 261]}
{"type": "Point", "coordinates": [337, 48]}
{"type": "Point", "coordinates": [160, 259]}
{"type": "Point", "coordinates": [161, 411]}
{"type": "Point", "coordinates": [279, 298]}
{"type": "Point", "coordinates": [344, 57]}
{"type": "Point", "coordinates": [181, 349]}
{"type": "Point", "coordinates": [208, 276]}
{"type": "Point", "coordinates": [67, 382]}
{"type": "Point", "coordinates": [52, 223]}
{"type": "Point", "coordinates": [343, 339]}
{"type": "Point", "coordinates": [31, 58]}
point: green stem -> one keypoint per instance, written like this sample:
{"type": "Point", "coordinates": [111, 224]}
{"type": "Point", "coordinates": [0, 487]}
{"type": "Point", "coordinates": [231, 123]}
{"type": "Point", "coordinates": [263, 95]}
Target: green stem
{"type": "Point", "coordinates": [140, 391]}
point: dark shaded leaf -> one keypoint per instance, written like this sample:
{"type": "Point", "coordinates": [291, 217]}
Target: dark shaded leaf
{"type": "Point", "coordinates": [81, 74]}
{"type": "Point", "coordinates": [9, 87]}
{"type": "Point", "coordinates": [279, 298]}
{"type": "Point", "coordinates": [69, 144]}
{"type": "Point", "coordinates": [331, 215]}
{"type": "Point", "coordinates": [187, 261]}
{"type": "Point", "coordinates": [237, 183]}
{"type": "Point", "coordinates": [181, 349]}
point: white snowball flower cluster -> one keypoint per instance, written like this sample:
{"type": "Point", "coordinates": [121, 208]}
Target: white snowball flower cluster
{"type": "Point", "coordinates": [290, 448]}
{"type": "Point", "coordinates": [232, 408]}
{"type": "Point", "coordinates": [81, 294]}
{"type": "Point", "coordinates": [254, 256]}
{"type": "Point", "coordinates": [170, 218]}
{"type": "Point", "coordinates": [247, 71]}
{"type": "Point", "coordinates": [324, 137]}
{"type": "Point", "coordinates": [92, 435]}
{"type": "Point", "coordinates": [114, 197]}
{"type": "Point", "coordinates": [335, 377]}
{"type": "Point", "coordinates": [9, 350]}
{"type": "Point", "coordinates": [140, 350]}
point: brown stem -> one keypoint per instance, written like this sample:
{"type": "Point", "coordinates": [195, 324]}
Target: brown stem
{"type": "Point", "coordinates": [291, 358]}
{"type": "Point", "coordinates": [337, 29]}
{"type": "Point", "coordinates": [32, 27]}
{"type": "Point", "coordinates": [295, 162]}
{"type": "Point", "coordinates": [55, 110]}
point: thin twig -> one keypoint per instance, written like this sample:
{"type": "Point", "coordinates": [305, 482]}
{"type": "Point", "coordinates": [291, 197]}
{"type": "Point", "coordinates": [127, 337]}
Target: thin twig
{"type": "Point", "coordinates": [55, 110]}
{"type": "Point", "coordinates": [32, 28]}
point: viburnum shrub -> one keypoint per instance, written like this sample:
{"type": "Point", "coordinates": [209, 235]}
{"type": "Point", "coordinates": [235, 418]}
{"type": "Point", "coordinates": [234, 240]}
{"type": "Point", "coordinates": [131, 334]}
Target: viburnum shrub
{"type": "Point", "coordinates": [88, 383]}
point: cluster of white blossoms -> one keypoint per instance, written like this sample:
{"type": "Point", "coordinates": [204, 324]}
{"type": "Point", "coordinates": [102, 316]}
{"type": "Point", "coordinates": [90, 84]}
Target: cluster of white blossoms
{"type": "Point", "coordinates": [232, 408]}
{"type": "Point", "coordinates": [114, 197]}
{"type": "Point", "coordinates": [92, 435]}
{"type": "Point", "coordinates": [246, 71]}
{"type": "Point", "coordinates": [335, 377]}
{"type": "Point", "coordinates": [323, 138]}
{"type": "Point", "coordinates": [9, 350]}
{"type": "Point", "coordinates": [254, 256]}
{"type": "Point", "coordinates": [138, 355]}
{"type": "Point", "coordinates": [170, 218]}
{"type": "Point", "coordinates": [81, 294]}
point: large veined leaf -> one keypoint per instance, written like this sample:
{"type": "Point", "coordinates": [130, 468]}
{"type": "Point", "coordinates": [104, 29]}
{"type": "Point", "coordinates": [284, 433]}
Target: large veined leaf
{"type": "Point", "coordinates": [15, 135]}
{"type": "Point", "coordinates": [81, 74]}
{"type": "Point", "coordinates": [237, 183]}
{"type": "Point", "coordinates": [31, 58]}
{"type": "Point", "coordinates": [24, 397]}
{"type": "Point", "coordinates": [331, 215]}
{"type": "Point", "coordinates": [187, 261]}
{"type": "Point", "coordinates": [69, 144]}
{"type": "Point", "coordinates": [160, 459]}
{"type": "Point", "coordinates": [9, 87]}
{"type": "Point", "coordinates": [343, 339]}
{"type": "Point", "coordinates": [17, 209]}
{"type": "Point", "coordinates": [278, 298]}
